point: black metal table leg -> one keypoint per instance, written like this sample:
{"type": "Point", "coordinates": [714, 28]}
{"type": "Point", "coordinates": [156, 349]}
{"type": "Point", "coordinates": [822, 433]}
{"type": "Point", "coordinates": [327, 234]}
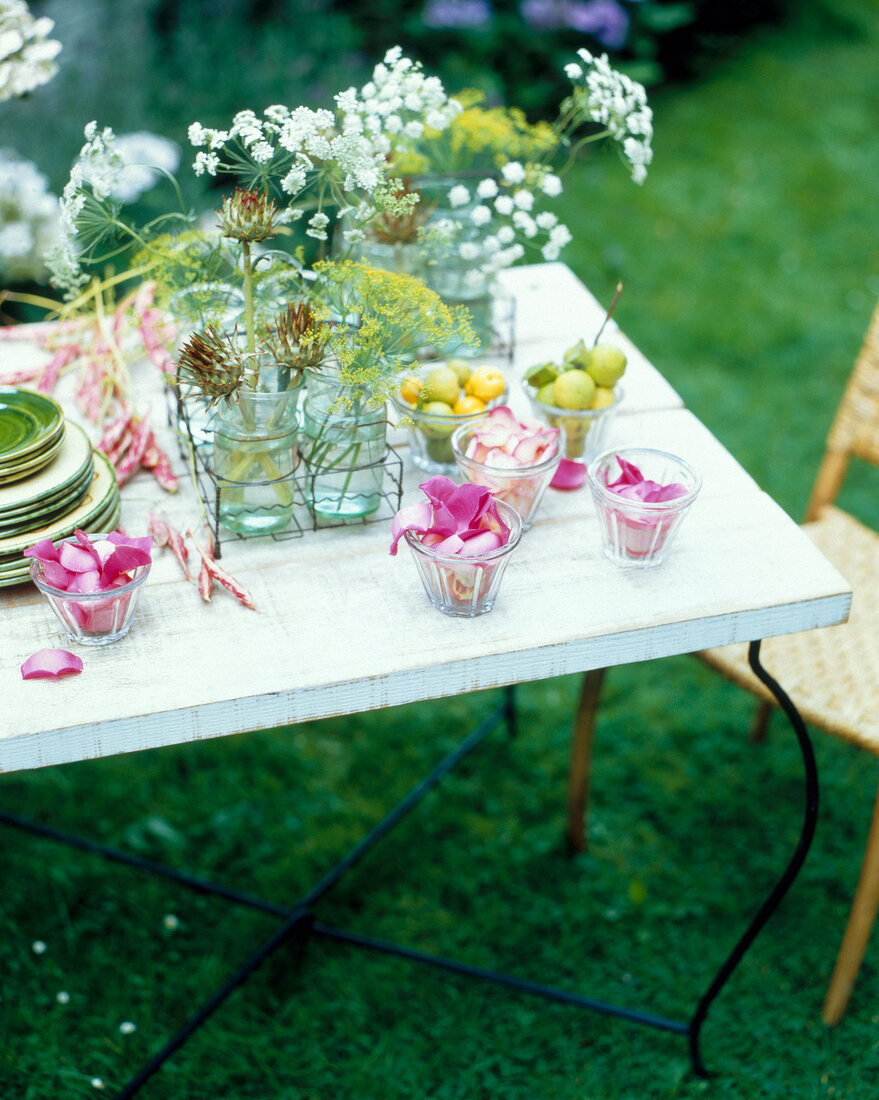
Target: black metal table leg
{"type": "Point", "coordinates": [810, 818]}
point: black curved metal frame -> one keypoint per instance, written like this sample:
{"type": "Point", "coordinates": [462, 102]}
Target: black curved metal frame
{"type": "Point", "coordinates": [298, 923]}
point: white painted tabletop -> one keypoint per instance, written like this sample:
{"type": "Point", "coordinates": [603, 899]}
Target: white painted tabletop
{"type": "Point", "coordinates": [343, 627]}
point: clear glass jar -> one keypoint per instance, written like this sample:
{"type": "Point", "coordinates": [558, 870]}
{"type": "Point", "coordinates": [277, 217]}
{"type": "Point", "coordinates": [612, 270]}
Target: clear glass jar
{"type": "Point", "coordinates": [254, 461]}
{"type": "Point", "coordinates": [344, 446]}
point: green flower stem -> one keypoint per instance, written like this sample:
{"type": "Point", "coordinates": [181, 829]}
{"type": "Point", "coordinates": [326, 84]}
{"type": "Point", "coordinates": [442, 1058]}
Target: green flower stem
{"type": "Point", "coordinates": [248, 297]}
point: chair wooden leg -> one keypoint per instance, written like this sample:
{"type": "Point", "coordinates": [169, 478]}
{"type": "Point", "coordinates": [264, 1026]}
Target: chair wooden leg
{"type": "Point", "coordinates": [760, 722]}
{"type": "Point", "coordinates": [582, 740]}
{"type": "Point", "coordinates": [857, 932]}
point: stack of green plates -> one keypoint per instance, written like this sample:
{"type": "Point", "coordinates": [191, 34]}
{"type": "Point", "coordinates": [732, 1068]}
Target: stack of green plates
{"type": "Point", "coordinates": [31, 433]}
{"type": "Point", "coordinates": [77, 489]}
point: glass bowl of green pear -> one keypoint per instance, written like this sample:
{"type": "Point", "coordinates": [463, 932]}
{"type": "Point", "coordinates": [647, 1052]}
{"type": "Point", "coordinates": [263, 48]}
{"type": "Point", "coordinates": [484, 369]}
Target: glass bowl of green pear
{"type": "Point", "coordinates": [580, 394]}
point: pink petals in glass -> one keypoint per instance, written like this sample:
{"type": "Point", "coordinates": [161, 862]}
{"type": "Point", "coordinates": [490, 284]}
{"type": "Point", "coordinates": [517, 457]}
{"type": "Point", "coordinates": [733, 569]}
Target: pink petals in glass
{"type": "Point", "coordinates": [633, 485]}
{"type": "Point", "coordinates": [641, 498]}
{"type": "Point", "coordinates": [461, 539]}
{"type": "Point", "coordinates": [455, 519]}
{"type": "Point", "coordinates": [91, 584]}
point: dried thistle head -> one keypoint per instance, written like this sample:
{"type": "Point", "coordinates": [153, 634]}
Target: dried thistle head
{"type": "Point", "coordinates": [248, 216]}
{"type": "Point", "coordinates": [211, 363]}
{"type": "Point", "coordinates": [298, 339]}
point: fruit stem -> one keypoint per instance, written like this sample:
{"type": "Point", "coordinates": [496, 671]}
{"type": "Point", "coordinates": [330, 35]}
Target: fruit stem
{"type": "Point", "coordinates": [610, 310]}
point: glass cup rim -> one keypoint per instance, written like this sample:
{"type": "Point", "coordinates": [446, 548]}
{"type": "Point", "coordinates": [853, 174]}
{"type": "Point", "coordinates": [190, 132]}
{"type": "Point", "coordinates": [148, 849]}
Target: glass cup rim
{"type": "Point", "coordinates": [36, 572]}
{"type": "Point", "coordinates": [510, 516]}
{"type": "Point", "coordinates": [608, 496]}
{"type": "Point", "coordinates": [584, 414]}
{"type": "Point", "coordinates": [528, 470]}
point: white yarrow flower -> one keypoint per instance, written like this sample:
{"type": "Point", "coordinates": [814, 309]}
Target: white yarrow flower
{"type": "Point", "coordinates": [459, 196]}
{"type": "Point", "coordinates": [480, 215]}
{"type": "Point", "coordinates": [513, 172]}
{"type": "Point", "coordinates": [551, 185]}
{"type": "Point", "coordinates": [487, 189]}
{"type": "Point", "coordinates": [504, 205]}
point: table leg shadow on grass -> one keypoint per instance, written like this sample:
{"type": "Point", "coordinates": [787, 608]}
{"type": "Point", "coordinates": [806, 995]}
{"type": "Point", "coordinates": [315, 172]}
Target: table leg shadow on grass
{"type": "Point", "coordinates": [298, 924]}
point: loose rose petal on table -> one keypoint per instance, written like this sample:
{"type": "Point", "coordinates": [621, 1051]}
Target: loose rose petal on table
{"type": "Point", "coordinates": [569, 475]}
{"type": "Point", "coordinates": [51, 663]}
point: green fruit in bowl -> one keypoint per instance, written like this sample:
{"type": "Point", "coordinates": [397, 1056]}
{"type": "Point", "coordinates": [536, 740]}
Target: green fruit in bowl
{"type": "Point", "coordinates": [546, 394]}
{"type": "Point", "coordinates": [441, 385]}
{"type": "Point", "coordinates": [440, 424]}
{"type": "Point", "coordinates": [578, 356]}
{"type": "Point", "coordinates": [574, 389]}
{"type": "Point", "coordinates": [607, 365]}
{"type": "Point", "coordinates": [543, 374]}
{"type": "Point", "coordinates": [461, 368]}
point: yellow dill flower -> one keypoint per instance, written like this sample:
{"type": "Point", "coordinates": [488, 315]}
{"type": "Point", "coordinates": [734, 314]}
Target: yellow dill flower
{"type": "Point", "coordinates": [390, 317]}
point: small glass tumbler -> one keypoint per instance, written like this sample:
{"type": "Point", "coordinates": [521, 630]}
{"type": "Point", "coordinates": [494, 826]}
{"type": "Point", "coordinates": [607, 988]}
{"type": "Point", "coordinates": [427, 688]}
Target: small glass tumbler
{"type": "Point", "coordinates": [521, 486]}
{"type": "Point", "coordinates": [93, 618]}
{"type": "Point", "coordinates": [638, 532]}
{"type": "Point", "coordinates": [461, 586]}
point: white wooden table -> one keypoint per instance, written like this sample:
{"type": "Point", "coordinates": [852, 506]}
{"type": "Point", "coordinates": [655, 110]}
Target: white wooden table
{"type": "Point", "coordinates": [343, 627]}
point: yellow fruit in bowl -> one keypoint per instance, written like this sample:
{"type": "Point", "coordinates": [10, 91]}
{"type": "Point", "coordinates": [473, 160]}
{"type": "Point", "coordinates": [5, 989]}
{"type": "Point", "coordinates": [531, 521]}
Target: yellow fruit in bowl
{"type": "Point", "coordinates": [440, 385]}
{"type": "Point", "coordinates": [603, 399]}
{"type": "Point", "coordinates": [486, 383]}
{"type": "Point", "coordinates": [410, 390]}
{"type": "Point", "coordinates": [574, 389]}
{"type": "Point", "coordinates": [467, 405]}
{"type": "Point", "coordinates": [607, 365]}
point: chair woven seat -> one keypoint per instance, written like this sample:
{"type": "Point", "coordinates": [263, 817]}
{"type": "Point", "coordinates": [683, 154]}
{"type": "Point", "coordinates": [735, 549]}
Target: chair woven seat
{"type": "Point", "coordinates": [831, 674]}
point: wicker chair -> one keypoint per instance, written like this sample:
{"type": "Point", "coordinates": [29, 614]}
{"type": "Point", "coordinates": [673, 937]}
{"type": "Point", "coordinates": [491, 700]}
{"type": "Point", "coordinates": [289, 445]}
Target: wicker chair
{"type": "Point", "coordinates": [832, 674]}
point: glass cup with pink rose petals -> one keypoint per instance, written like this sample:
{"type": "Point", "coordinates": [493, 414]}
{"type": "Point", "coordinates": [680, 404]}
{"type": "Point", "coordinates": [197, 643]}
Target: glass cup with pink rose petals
{"type": "Point", "coordinates": [641, 496]}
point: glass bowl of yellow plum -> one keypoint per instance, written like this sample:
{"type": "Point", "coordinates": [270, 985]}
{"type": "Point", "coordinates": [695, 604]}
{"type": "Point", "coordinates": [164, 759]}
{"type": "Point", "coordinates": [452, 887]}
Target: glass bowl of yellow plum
{"type": "Point", "coordinates": [580, 394]}
{"type": "Point", "coordinates": [439, 398]}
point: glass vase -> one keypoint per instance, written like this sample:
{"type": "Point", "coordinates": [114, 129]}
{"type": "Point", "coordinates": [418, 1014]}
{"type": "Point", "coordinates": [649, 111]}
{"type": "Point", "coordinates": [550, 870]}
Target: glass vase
{"type": "Point", "coordinates": [343, 448]}
{"type": "Point", "coordinates": [254, 461]}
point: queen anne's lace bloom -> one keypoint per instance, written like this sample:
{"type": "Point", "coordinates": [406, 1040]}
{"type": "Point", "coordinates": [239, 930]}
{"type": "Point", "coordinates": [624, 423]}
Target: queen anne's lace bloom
{"type": "Point", "coordinates": [27, 54]}
{"type": "Point", "coordinates": [29, 220]}
{"type": "Point", "coordinates": [620, 105]}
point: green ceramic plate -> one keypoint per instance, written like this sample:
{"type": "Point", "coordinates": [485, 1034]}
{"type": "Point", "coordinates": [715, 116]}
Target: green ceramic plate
{"type": "Point", "coordinates": [102, 494]}
{"type": "Point", "coordinates": [27, 421]}
{"type": "Point", "coordinates": [26, 521]}
{"type": "Point", "coordinates": [33, 509]}
{"type": "Point", "coordinates": [73, 457]}
{"type": "Point", "coordinates": [34, 462]}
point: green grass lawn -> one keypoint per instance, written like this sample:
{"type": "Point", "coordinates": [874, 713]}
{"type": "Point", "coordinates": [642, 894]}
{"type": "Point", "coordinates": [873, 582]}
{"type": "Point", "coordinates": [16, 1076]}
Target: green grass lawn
{"type": "Point", "coordinates": [751, 264]}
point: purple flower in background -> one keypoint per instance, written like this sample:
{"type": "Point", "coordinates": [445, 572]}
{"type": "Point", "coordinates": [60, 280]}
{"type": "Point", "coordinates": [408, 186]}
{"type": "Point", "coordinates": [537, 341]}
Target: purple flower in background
{"type": "Point", "coordinates": [603, 19]}
{"type": "Point", "coordinates": [544, 15]}
{"type": "Point", "coordinates": [456, 13]}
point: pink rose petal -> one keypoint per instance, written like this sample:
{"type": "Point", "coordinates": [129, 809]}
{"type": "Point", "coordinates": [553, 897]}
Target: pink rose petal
{"type": "Point", "coordinates": [123, 559]}
{"type": "Point", "coordinates": [76, 558]}
{"type": "Point", "coordinates": [51, 663]}
{"type": "Point", "coordinates": [44, 550]}
{"type": "Point", "coordinates": [569, 475]}
{"type": "Point", "coordinates": [90, 581]}
{"type": "Point", "coordinates": [483, 543]}
{"type": "Point", "coordinates": [414, 517]}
